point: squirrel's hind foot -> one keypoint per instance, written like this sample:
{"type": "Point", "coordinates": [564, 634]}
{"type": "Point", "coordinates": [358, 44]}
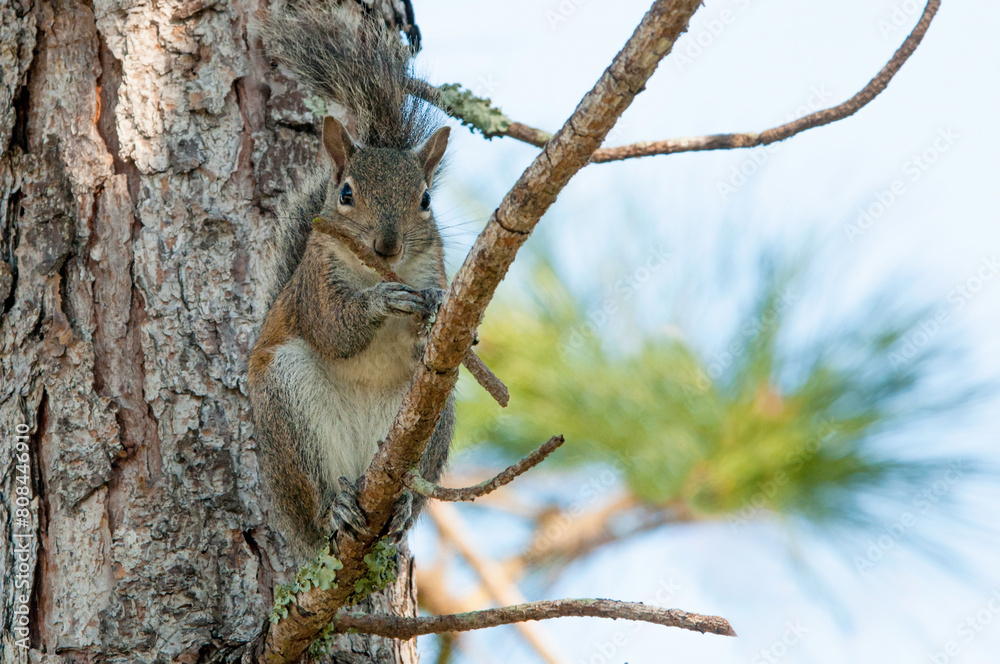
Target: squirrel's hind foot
{"type": "Point", "coordinates": [345, 514]}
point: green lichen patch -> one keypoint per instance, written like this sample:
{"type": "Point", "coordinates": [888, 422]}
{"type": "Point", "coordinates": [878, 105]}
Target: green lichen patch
{"type": "Point", "coordinates": [322, 645]}
{"type": "Point", "coordinates": [474, 112]}
{"type": "Point", "coordinates": [381, 563]}
{"type": "Point", "coordinates": [320, 573]}
{"type": "Point", "coordinates": [316, 105]}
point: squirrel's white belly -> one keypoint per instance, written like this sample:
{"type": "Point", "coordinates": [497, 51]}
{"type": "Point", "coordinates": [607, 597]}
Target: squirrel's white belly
{"type": "Point", "coordinates": [346, 417]}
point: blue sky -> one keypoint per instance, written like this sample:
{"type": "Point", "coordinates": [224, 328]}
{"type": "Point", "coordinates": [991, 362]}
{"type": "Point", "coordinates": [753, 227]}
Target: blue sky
{"type": "Point", "coordinates": [921, 161]}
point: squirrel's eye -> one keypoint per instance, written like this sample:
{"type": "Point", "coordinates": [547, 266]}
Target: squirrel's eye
{"type": "Point", "coordinates": [347, 195]}
{"type": "Point", "coordinates": [425, 202]}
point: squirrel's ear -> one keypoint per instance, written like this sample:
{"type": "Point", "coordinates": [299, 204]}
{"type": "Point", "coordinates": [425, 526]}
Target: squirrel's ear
{"type": "Point", "coordinates": [430, 153]}
{"type": "Point", "coordinates": [338, 145]}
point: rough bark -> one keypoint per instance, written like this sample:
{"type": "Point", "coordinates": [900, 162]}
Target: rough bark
{"type": "Point", "coordinates": [141, 148]}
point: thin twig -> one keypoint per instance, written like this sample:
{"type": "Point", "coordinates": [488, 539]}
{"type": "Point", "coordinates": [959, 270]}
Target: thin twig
{"type": "Point", "coordinates": [527, 134]}
{"type": "Point", "coordinates": [367, 255]}
{"type": "Point", "coordinates": [539, 137]}
{"type": "Point", "coordinates": [431, 490]}
{"type": "Point", "coordinates": [486, 378]}
{"type": "Point", "coordinates": [402, 627]}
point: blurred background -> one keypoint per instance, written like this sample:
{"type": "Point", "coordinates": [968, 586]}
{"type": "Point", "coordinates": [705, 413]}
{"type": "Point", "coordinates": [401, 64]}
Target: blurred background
{"type": "Point", "coordinates": [776, 369]}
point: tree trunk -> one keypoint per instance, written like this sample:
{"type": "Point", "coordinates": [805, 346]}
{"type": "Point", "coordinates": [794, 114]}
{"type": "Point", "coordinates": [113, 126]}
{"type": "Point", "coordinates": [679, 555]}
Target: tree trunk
{"type": "Point", "coordinates": [141, 148]}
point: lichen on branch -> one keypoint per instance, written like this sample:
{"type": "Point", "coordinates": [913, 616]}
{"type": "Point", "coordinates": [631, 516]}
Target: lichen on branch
{"type": "Point", "coordinates": [472, 111]}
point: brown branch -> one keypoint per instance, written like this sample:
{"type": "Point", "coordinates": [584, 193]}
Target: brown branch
{"type": "Point", "coordinates": [538, 137]}
{"type": "Point", "coordinates": [486, 378]}
{"type": "Point", "coordinates": [431, 490]}
{"type": "Point", "coordinates": [522, 132]}
{"type": "Point", "coordinates": [400, 627]}
{"type": "Point", "coordinates": [470, 293]}
{"type": "Point", "coordinates": [478, 113]}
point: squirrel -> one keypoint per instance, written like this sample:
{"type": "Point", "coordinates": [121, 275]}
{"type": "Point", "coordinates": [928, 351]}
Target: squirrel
{"type": "Point", "coordinates": [338, 346]}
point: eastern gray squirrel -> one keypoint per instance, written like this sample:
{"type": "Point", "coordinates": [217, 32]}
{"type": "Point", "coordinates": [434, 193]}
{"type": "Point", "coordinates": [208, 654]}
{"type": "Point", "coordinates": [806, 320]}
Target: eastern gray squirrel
{"type": "Point", "coordinates": [338, 346]}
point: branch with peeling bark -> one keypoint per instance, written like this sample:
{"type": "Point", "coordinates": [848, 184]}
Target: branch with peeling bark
{"type": "Point", "coordinates": [471, 110]}
{"type": "Point", "coordinates": [453, 332]}
{"type": "Point", "coordinates": [403, 627]}
{"type": "Point", "coordinates": [431, 490]}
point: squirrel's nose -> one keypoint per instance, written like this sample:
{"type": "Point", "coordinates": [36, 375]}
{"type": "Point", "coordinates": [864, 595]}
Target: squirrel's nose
{"type": "Point", "coordinates": [388, 245]}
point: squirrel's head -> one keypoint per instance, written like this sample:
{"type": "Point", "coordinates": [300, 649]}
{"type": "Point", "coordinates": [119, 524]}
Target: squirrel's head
{"type": "Point", "coordinates": [383, 195]}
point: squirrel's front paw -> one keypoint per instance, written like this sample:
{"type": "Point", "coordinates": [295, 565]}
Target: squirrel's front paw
{"type": "Point", "coordinates": [402, 300]}
{"type": "Point", "coordinates": [432, 299]}
{"type": "Point", "coordinates": [397, 299]}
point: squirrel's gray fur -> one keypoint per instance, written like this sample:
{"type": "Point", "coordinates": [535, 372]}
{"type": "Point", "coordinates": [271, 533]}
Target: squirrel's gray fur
{"type": "Point", "coordinates": [343, 55]}
{"type": "Point", "coordinates": [338, 346]}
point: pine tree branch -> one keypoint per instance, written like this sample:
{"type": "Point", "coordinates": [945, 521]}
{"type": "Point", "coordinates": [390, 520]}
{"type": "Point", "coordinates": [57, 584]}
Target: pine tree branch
{"type": "Point", "coordinates": [431, 490]}
{"type": "Point", "coordinates": [504, 126]}
{"type": "Point", "coordinates": [471, 291]}
{"type": "Point", "coordinates": [401, 627]}
{"type": "Point", "coordinates": [486, 378]}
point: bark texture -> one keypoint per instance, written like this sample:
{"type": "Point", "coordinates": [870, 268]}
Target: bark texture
{"type": "Point", "coordinates": [141, 147]}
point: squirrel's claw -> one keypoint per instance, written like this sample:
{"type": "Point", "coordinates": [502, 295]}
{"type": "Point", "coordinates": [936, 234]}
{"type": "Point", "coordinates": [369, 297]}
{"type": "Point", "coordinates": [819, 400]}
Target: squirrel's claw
{"type": "Point", "coordinates": [402, 517]}
{"type": "Point", "coordinates": [432, 298]}
{"type": "Point", "coordinates": [345, 513]}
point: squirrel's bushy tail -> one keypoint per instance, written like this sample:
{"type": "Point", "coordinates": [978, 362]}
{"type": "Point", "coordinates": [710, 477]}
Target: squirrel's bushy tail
{"type": "Point", "coordinates": [347, 57]}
